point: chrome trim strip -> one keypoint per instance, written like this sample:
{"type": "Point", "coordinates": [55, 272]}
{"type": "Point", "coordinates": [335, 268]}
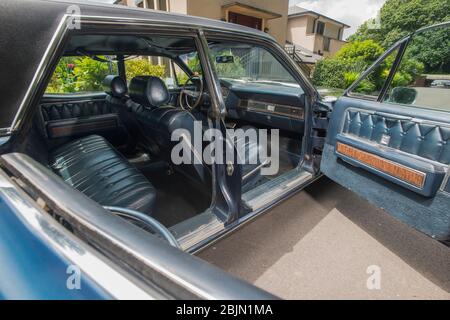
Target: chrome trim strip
{"type": "Point", "coordinates": [261, 196]}
{"type": "Point", "coordinates": [264, 107]}
{"type": "Point", "coordinates": [61, 31]}
{"type": "Point", "coordinates": [100, 226]}
{"type": "Point", "coordinates": [67, 245]}
{"type": "Point", "coordinates": [444, 183]}
{"type": "Point", "coordinates": [71, 101]}
{"type": "Point", "coordinates": [241, 222]}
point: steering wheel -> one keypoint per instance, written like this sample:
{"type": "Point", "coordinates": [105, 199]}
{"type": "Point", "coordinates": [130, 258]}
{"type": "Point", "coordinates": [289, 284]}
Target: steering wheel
{"type": "Point", "coordinates": [148, 221]}
{"type": "Point", "coordinates": [186, 94]}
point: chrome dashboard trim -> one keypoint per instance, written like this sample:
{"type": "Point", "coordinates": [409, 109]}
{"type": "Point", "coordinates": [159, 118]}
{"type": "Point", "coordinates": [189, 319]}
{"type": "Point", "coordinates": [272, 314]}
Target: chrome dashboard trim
{"type": "Point", "coordinates": [271, 108]}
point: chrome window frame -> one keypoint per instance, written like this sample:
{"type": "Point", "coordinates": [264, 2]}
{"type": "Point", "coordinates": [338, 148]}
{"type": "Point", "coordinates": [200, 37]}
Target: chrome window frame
{"type": "Point", "coordinates": [59, 36]}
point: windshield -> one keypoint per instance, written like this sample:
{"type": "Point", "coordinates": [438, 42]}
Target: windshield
{"type": "Point", "coordinates": [249, 63]}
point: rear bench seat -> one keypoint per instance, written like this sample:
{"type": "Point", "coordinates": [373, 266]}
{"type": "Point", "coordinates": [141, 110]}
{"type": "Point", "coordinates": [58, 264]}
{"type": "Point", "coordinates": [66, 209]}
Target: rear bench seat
{"type": "Point", "coordinates": [94, 167]}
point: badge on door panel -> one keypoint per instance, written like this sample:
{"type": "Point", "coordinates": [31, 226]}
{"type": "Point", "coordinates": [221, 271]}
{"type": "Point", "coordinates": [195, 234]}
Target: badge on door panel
{"type": "Point", "coordinates": [385, 139]}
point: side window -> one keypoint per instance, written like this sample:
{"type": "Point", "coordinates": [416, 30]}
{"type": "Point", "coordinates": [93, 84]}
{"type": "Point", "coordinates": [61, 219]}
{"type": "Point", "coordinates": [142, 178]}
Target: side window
{"type": "Point", "coordinates": [80, 75]}
{"type": "Point", "coordinates": [423, 76]}
{"type": "Point", "coordinates": [371, 85]}
{"type": "Point", "coordinates": [193, 62]}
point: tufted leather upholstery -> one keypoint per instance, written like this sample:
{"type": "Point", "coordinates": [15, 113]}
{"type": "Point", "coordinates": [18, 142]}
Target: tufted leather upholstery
{"type": "Point", "coordinates": [92, 166]}
{"type": "Point", "coordinates": [63, 111]}
{"type": "Point", "coordinates": [424, 139]}
{"type": "Point", "coordinates": [159, 122]}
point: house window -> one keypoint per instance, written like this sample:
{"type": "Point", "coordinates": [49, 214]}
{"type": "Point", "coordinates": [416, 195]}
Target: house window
{"type": "Point", "coordinates": [150, 4]}
{"type": "Point", "coordinates": [320, 27]}
{"type": "Point", "coordinates": [326, 44]}
{"type": "Point", "coordinates": [162, 5]}
{"type": "Point", "coordinates": [245, 20]}
{"type": "Point", "coordinates": [154, 4]}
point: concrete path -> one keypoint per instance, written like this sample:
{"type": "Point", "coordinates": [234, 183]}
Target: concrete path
{"type": "Point", "coordinates": [327, 243]}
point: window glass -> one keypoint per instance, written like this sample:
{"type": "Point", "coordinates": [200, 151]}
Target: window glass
{"type": "Point", "coordinates": [146, 66]}
{"type": "Point", "coordinates": [371, 85]}
{"type": "Point", "coordinates": [160, 67]}
{"type": "Point", "coordinates": [250, 64]}
{"type": "Point", "coordinates": [423, 77]}
{"type": "Point", "coordinates": [192, 60]}
{"type": "Point", "coordinates": [162, 5]}
{"type": "Point", "coordinates": [320, 27]}
{"type": "Point", "coordinates": [80, 74]}
{"type": "Point", "coordinates": [326, 44]}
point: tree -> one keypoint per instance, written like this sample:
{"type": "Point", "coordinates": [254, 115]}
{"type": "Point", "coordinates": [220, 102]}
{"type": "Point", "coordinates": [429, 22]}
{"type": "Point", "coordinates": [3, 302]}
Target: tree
{"type": "Point", "coordinates": [432, 48]}
{"type": "Point", "coordinates": [402, 17]}
{"type": "Point", "coordinates": [427, 52]}
{"type": "Point", "coordinates": [142, 67]}
{"type": "Point", "coordinates": [345, 67]}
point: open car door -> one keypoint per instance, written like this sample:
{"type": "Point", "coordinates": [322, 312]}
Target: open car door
{"type": "Point", "coordinates": [388, 137]}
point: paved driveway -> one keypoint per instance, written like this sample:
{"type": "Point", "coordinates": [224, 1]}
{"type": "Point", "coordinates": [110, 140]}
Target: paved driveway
{"type": "Point", "coordinates": [321, 243]}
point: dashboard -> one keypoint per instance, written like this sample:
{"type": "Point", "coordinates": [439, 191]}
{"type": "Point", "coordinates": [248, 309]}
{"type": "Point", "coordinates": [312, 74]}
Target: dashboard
{"type": "Point", "coordinates": [266, 104]}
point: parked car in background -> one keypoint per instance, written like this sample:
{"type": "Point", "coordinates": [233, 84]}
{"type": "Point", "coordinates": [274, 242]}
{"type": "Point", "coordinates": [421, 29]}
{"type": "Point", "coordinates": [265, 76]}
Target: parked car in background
{"type": "Point", "coordinates": [441, 83]}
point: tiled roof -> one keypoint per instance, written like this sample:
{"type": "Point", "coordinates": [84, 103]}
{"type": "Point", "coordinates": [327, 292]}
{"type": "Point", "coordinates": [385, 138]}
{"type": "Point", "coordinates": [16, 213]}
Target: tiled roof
{"type": "Point", "coordinates": [295, 11]}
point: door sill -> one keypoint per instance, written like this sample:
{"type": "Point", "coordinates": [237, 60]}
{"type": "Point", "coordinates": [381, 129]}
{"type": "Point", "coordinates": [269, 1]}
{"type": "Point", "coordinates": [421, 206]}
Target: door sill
{"type": "Point", "coordinates": [197, 229]}
{"type": "Point", "coordinates": [270, 191]}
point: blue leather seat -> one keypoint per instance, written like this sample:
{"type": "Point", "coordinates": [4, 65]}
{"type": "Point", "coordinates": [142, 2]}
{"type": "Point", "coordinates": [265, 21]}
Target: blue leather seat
{"type": "Point", "coordinates": [95, 168]}
{"type": "Point", "coordinates": [159, 121]}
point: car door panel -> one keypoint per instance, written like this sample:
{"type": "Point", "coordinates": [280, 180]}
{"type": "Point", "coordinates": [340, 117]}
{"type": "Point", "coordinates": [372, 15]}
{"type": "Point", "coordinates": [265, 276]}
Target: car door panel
{"type": "Point", "coordinates": [64, 117]}
{"type": "Point", "coordinates": [395, 156]}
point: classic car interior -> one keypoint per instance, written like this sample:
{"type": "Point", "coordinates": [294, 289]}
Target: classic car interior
{"type": "Point", "coordinates": [109, 134]}
{"type": "Point", "coordinates": [87, 126]}
{"type": "Point", "coordinates": [115, 145]}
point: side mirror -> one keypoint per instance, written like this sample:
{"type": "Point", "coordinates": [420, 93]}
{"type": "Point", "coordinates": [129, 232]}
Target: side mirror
{"type": "Point", "coordinates": [403, 95]}
{"type": "Point", "coordinates": [329, 99]}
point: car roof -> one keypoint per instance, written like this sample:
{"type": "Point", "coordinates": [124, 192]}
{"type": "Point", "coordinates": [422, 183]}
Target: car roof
{"type": "Point", "coordinates": [28, 26]}
{"type": "Point", "coordinates": [114, 10]}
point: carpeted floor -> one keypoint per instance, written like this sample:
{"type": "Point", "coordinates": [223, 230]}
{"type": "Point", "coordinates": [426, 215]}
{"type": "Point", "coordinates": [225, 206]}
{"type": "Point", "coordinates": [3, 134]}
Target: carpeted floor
{"type": "Point", "coordinates": [321, 244]}
{"type": "Point", "coordinates": [176, 198]}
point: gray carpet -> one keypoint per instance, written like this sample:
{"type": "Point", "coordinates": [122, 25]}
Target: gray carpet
{"type": "Point", "coordinates": [320, 244]}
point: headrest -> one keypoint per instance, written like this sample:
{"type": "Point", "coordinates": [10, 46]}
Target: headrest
{"type": "Point", "coordinates": [149, 91]}
{"type": "Point", "coordinates": [115, 86]}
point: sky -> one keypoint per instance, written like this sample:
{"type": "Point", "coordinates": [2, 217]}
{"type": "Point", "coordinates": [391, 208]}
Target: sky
{"type": "Point", "coordinates": [351, 12]}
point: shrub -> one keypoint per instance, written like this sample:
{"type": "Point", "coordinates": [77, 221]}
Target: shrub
{"type": "Point", "coordinates": [141, 66]}
{"type": "Point", "coordinates": [329, 73]}
{"type": "Point", "coordinates": [74, 74]}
